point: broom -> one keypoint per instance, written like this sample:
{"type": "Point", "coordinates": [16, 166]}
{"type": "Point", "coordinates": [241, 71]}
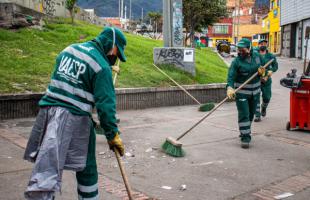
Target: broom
{"type": "Point", "coordinates": [202, 107]}
{"type": "Point", "coordinates": [173, 146]}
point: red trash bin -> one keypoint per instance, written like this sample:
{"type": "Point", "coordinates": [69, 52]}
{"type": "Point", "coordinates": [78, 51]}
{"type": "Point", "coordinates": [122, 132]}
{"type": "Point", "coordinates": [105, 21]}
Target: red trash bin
{"type": "Point", "coordinates": [300, 107]}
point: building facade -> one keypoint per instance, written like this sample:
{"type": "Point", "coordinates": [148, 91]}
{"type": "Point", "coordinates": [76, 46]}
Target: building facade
{"type": "Point", "coordinates": [271, 29]}
{"type": "Point", "coordinates": [220, 31]}
{"type": "Point", "coordinates": [294, 19]}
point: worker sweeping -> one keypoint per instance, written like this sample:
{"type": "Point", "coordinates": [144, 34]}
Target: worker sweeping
{"type": "Point", "coordinates": [247, 63]}
{"type": "Point", "coordinates": [266, 81]}
{"type": "Point", "coordinates": [63, 135]}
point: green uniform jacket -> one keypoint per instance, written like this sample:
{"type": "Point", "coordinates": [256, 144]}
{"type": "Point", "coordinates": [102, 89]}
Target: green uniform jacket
{"type": "Point", "coordinates": [241, 70]}
{"type": "Point", "coordinates": [273, 66]}
{"type": "Point", "coordinates": [82, 79]}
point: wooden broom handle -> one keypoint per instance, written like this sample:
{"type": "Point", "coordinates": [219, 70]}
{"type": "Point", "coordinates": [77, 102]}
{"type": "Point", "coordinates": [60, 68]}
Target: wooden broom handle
{"type": "Point", "coordinates": [122, 169]}
{"type": "Point", "coordinates": [223, 101]}
{"type": "Point", "coordinates": [180, 86]}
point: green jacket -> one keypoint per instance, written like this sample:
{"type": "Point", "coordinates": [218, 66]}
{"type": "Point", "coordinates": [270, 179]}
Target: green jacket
{"type": "Point", "coordinates": [273, 66]}
{"type": "Point", "coordinates": [82, 80]}
{"type": "Point", "coordinates": [241, 70]}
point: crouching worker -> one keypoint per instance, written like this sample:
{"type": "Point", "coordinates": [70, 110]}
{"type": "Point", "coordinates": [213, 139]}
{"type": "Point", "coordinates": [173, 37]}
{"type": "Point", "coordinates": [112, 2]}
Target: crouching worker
{"type": "Point", "coordinates": [242, 68]}
{"type": "Point", "coordinates": [63, 135]}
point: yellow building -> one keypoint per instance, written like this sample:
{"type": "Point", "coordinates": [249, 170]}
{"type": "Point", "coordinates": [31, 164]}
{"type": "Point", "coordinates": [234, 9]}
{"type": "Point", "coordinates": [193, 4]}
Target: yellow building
{"type": "Point", "coordinates": [273, 24]}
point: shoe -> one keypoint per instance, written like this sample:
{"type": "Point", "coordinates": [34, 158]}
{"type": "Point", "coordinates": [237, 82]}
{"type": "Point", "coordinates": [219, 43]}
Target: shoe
{"type": "Point", "coordinates": [245, 145]}
{"type": "Point", "coordinates": [118, 120]}
{"type": "Point", "coordinates": [264, 111]}
{"type": "Point", "coordinates": [245, 141]}
{"type": "Point", "coordinates": [257, 119]}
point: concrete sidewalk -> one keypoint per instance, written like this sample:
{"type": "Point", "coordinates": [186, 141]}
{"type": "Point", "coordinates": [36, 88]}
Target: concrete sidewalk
{"type": "Point", "coordinates": [215, 166]}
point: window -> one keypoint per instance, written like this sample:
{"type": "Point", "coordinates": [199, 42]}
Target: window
{"type": "Point", "coordinates": [220, 29]}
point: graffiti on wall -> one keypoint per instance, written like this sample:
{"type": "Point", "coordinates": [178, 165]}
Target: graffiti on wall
{"type": "Point", "coordinates": [49, 7]}
{"type": "Point", "coordinates": [177, 24]}
{"type": "Point", "coordinates": [173, 56]}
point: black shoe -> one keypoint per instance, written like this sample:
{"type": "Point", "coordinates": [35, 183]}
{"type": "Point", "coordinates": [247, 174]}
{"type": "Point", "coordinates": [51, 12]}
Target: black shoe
{"type": "Point", "coordinates": [245, 145]}
{"type": "Point", "coordinates": [118, 120]}
{"type": "Point", "coordinates": [245, 141]}
{"type": "Point", "coordinates": [264, 111]}
{"type": "Point", "coordinates": [257, 119]}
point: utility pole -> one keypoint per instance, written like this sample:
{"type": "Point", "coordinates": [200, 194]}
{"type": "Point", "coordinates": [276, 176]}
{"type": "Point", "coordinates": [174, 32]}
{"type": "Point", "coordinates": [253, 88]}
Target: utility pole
{"type": "Point", "coordinates": [122, 9]}
{"type": "Point", "coordinates": [125, 12]}
{"type": "Point", "coordinates": [238, 20]}
{"type": "Point", "coordinates": [130, 10]}
{"type": "Point", "coordinates": [142, 15]}
{"type": "Point", "coordinates": [119, 8]}
{"type": "Point", "coordinates": [234, 22]}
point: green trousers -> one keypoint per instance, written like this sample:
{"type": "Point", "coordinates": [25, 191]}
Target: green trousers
{"type": "Point", "coordinates": [266, 96]}
{"type": "Point", "coordinates": [88, 178]}
{"type": "Point", "coordinates": [246, 106]}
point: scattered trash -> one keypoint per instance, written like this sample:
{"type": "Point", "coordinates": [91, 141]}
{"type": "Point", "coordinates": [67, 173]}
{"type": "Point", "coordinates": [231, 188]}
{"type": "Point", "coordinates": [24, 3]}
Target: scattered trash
{"type": "Point", "coordinates": [164, 156]}
{"type": "Point", "coordinates": [101, 153]}
{"type": "Point", "coordinates": [173, 160]}
{"type": "Point", "coordinates": [9, 157]}
{"type": "Point", "coordinates": [128, 154]}
{"type": "Point", "coordinates": [152, 157]}
{"type": "Point", "coordinates": [149, 150]}
{"type": "Point", "coordinates": [166, 187]}
{"type": "Point", "coordinates": [209, 163]}
{"type": "Point", "coordinates": [183, 187]}
{"type": "Point", "coordinates": [283, 196]}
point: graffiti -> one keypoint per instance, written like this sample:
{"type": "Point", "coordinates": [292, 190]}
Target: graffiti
{"type": "Point", "coordinates": [48, 7]}
{"type": "Point", "coordinates": [173, 56]}
{"type": "Point", "coordinates": [177, 24]}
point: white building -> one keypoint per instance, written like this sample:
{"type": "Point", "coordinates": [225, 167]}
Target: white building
{"type": "Point", "coordinates": [295, 18]}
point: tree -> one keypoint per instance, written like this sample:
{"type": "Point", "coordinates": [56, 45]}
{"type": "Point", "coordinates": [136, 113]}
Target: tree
{"type": "Point", "coordinates": [156, 22]}
{"type": "Point", "coordinates": [70, 5]}
{"type": "Point", "coordinates": [199, 14]}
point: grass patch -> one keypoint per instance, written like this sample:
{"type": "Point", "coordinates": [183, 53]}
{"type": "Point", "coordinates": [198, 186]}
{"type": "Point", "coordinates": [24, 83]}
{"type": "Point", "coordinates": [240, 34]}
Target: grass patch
{"type": "Point", "coordinates": [28, 57]}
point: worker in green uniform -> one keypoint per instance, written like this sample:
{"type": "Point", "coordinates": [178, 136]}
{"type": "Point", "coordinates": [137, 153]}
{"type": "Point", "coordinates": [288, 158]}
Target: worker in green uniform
{"type": "Point", "coordinates": [266, 81]}
{"type": "Point", "coordinates": [63, 136]}
{"type": "Point", "coordinates": [247, 63]}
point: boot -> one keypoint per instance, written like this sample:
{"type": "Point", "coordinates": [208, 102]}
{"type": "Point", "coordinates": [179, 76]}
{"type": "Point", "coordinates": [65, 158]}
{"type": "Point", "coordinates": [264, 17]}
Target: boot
{"type": "Point", "coordinates": [245, 141]}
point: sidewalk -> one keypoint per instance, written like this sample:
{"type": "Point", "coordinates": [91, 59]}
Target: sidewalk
{"type": "Point", "coordinates": [214, 168]}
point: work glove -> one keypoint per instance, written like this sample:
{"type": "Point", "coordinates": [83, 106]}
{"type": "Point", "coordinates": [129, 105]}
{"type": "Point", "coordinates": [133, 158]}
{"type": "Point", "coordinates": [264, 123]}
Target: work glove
{"type": "Point", "coordinates": [231, 94]}
{"type": "Point", "coordinates": [269, 73]}
{"type": "Point", "coordinates": [117, 143]}
{"type": "Point", "coordinates": [116, 68]}
{"type": "Point", "coordinates": [261, 71]}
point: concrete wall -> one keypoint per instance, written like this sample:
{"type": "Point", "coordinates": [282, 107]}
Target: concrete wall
{"type": "Point", "coordinates": [182, 58]}
{"type": "Point", "coordinates": [26, 105]}
{"type": "Point", "coordinates": [48, 7]}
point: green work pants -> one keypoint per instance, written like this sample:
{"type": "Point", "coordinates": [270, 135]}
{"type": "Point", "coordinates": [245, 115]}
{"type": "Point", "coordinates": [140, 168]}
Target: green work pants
{"type": "Point", "coordinates": [246, 105]}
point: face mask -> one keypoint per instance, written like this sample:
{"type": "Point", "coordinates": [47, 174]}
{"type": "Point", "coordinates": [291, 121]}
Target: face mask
{"type": "Point", "coordinates": [243, 54]}
{"type": "Point", "coordinates": [112, 59]}
{"type": "Point", "coordinates": [263, 48]}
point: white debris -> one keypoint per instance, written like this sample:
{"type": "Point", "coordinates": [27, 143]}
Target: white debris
{"type": "Point", "coordinates": [9, 157]}
{"type": "Point", "coordinates": [283, 196]}
{"type": "Point", "coordinates": [101, 153]}
{"type": "Point", "coordinates": [183, 187]}
{"type": "Point", "coordinates": [152, 157]}
{"type": "Point", "coordinates": [128, 154]}
{"type": "Point", "coordinates": [166, 187]}
{"type": "Point", "coordinates": [149, 150]}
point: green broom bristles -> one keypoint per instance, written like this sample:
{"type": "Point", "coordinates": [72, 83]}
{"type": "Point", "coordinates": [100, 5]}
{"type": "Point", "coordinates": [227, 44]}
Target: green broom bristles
{"type": "Point", "coordinates": [206, 107]}
{"type": "Point", "coordinates": [172, 150]}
